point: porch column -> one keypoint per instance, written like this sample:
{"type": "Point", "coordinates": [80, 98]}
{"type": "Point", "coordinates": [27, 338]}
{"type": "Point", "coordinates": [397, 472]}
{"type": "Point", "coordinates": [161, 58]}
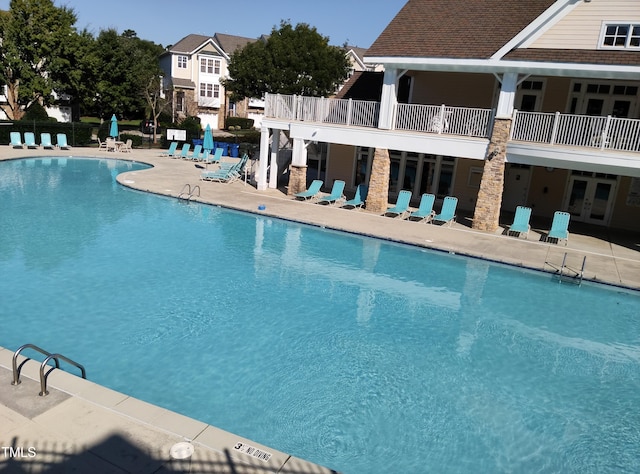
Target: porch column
{"type": "Point", "coordinates": [389, 99]}
{"type": "Point", "coordinates": [264, 159]}
{"type": "Point", "coordinates": [378, 196]}
{"type": "Point", "coordinates": [298, 170]}
{"type": "Point", "coordinates": [486, 215]}
{"type": "Point", "coordinates": [275, 149]}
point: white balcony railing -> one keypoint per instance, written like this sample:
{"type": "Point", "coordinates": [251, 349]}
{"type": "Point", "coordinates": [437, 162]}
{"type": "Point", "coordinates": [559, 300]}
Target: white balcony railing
{"type": "Point", "coordinates": [602, 133]}
{"type": "Point", "coordinates": [609, 133]}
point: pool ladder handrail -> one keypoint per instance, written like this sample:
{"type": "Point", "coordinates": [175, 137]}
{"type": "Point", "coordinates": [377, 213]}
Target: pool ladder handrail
{"type": "Point", "coordinates": [187, 192]}
{"type": "Point", "coordinates": [578, 275]}
{"type": "Point", "coordinates": [49, 356]}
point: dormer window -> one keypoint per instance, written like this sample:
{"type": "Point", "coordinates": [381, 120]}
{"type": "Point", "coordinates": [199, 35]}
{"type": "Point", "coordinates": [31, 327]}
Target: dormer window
{"type": "Point", "coordinates": [621, 36]}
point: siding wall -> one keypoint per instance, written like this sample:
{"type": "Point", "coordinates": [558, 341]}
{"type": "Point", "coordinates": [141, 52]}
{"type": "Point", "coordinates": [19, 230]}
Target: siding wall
{"type": "Point", "coordinates": [580, 29]}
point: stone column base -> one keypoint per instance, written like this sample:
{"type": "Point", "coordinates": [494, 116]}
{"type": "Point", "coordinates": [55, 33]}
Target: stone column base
{"type": "Point", "coordinates": [297, 179]}
{"type": "Point", "coordinates": [378, 196]}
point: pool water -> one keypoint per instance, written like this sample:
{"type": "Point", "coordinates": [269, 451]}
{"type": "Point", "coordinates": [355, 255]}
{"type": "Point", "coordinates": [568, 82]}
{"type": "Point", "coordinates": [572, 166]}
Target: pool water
{"type": "Point", "coordinates": [354, 353]}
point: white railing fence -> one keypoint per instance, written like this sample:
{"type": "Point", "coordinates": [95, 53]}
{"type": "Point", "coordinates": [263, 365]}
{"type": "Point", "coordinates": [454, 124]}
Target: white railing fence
{"type": "Point", "coordinates": [472, 122]}
{"type": "Point", "coordinates": [610, 133]}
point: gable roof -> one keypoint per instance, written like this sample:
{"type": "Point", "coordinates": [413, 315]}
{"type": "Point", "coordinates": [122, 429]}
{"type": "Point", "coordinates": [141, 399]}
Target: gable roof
{"type": "Point", "coordinates": [469, 29]}
{"type": "Point", "coordinates": [189, 44]}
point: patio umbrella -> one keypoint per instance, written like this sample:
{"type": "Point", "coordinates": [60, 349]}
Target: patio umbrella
{"type": "Point", "coordinates": [207, 143]}
{"type": "Point", "coordinates": [113, 131]}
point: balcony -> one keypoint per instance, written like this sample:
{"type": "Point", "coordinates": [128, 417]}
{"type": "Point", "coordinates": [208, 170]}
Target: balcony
{"type": "Point", "coordinates": [598, 133]}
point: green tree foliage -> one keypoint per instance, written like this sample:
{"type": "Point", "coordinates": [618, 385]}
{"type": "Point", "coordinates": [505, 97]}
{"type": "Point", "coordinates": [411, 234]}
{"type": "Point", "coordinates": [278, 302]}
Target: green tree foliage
{"type": "Point", "coordinates": [33, 35]}
{"type": "Point", "coordinates": [292, 60]}
{"type": "Point", "coordinates": [125, 66]}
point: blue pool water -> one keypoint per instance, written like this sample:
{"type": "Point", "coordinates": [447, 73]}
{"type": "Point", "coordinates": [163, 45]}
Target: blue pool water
{"type": "Point", "coordinates": [361, 355]}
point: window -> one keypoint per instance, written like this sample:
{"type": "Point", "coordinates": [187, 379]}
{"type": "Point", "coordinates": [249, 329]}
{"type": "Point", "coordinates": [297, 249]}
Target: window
{"type": "Point", "coordinates": [182, 62]}
{"type": "Point", "coordinates": [209, 66]}
{"type": "Point", "coordinates": [620, 36]}
{"type": "Point", "coordinates": [180, 102]}
{"type": "Point", "coordinates": [206, 90]}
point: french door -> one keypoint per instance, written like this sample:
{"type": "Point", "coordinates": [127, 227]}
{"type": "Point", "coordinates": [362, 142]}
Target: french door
{"type": "Point", "coordinates": [590, 199]}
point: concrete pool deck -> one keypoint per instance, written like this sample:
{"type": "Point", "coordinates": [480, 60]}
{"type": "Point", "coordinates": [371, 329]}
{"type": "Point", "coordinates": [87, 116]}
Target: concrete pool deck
{"type": "Point", "coordinates": [90, 428]}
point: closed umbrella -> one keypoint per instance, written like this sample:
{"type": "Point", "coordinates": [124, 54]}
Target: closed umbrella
{"type": "Point", "coordinates": [113, 131]}
{"type": "Point", "coordinates": [207, 143]}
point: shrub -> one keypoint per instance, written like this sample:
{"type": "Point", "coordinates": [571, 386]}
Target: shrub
{"type": "Point", "coordinates": [242, 122]}
{"type": "Point", "coordinates": [36, 112]}
{"type": "Point", "coordinates": [136, 140]}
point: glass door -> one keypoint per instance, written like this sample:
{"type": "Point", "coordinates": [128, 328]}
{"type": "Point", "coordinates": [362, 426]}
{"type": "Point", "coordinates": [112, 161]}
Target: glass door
{"type": "Point", "coordinates": [590, 199]}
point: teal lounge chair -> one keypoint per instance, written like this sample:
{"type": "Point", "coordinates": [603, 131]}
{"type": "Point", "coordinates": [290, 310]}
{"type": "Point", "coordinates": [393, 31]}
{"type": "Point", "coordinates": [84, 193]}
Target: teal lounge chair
{"type": "Point", "coordinates": [215, 158]}
{"type": "Point", "coordinates": [359, 198]}
{"type": "Point", "coordinates": [30, 140]}
{"type": "Point", "coordinates": [425, 209]}
{"type": "Point", "coordinates": [45, 141]}
{"type": "Point", "coordinates": [184, 152]}
{"type": "Point", "coordinates": [171, 151]}
{"type": "Point", "coordinates": [311, 192]}
{"type": "Point", "coordinates": [560, 227]}
{"type": "Point", "coordinates": [61, 139]}
{"type": "Point", "coordinates": [521, 222]}
{"type": "Point", "coordinates": [402, 205]}
{"type": "Point", "coordinates": [448, 212]}
{"type": "Point", "coordinates": [226, 174]}
{"type": "Point", "coordinates": [336, 193]}
{"type": "Point", "coordinates": [196, 153]}
{"type": "Point", "coordinates": [16, 140]}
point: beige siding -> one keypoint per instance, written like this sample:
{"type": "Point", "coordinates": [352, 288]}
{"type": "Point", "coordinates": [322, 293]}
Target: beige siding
{"type": "Point", "coordinates": [625, 216]}
{"type": "Point", "coordinates": [465, 187]}
{"type": "Point", "coordinates": [340, 164]}
{"type": "Point", "coordinates": [580, 29]}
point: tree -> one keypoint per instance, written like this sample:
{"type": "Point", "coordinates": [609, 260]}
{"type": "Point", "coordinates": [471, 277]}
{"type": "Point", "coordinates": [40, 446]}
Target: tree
{"type": "Point", "coordinates": [290, 61]}
{"type": "Point", "coordinates": [33, 34]}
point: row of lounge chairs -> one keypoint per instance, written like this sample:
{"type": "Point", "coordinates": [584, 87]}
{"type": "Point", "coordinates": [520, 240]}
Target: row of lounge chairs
{"type": "Point", "coordinates": [198, 153]}
{"type": "Point", "coordinates": [426, 213]}
{"type": "Point", "coordinates": [45, 140]}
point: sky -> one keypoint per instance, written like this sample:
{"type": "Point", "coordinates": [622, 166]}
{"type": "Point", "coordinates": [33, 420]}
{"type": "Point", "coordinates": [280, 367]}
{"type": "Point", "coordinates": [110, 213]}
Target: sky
{"type": "Point", "coordinates": [355, 22]}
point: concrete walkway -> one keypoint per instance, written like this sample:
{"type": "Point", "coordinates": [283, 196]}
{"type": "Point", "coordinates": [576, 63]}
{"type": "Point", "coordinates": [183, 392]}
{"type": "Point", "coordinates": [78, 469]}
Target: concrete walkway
{"type": "Point", "coordinates": [83, 427]}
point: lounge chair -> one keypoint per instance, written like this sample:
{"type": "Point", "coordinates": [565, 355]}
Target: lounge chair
{"type": "Point", "coordinates": [425, 209]}
{"type": "Point", "coordinates": [359, 198]}
{"type": "Point", "coordinates": [126, 146]}
{"type": "Point", "coordinates": [402, 205]}
{"type": "Point", "coordinates": [184, 152]}
{"type": "Point", "coordinates": [448, 212]}
{"type": "Point", "coordinates": [336, 193]}
{"type": "Point", "coordinates": [195, 154]}
{"type": "Point", "coordinates": [311, 192]}
{"type": "Point", "coordinates": [226, 174]}
{"type": "Point", "coordinates": [560, 227]}
{"type": "Point", "coordinates": [102, 145]}
{"type": "Point", "coordinates": [45, 141]}
{"type": "Point", "coordinates": [215, 158]}
{"type": "Point", "coordinates": [16, 140]}
{"type": "Point", "coordinates": [30, 140]}
{"type": "Point", "coordinates": [61, 140]}
{"type": "Point", "coordinates": [171, 151]}
{"type": "Point", "coordinates": [520, 223]}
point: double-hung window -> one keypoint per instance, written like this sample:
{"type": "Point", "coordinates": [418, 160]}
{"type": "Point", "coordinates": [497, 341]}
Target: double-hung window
{"type": "Point", "coordinates": [182, 62]}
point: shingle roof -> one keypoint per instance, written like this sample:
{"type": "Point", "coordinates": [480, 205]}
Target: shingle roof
{"type": "Point", "coordinates": [231, 43]}
{"type": "Point", "coordinates": [470, 29]}
{"type": "Point", "coordinates": [581, 56]}
{"type": "Point", "coordinates": [183, 83]}
{"type": "Point", "coordinates": [189, 43]}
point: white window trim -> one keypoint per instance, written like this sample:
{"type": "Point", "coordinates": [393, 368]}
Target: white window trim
{"type": "Point", "coordinates": [186, 61]}
{"type": "Point", "coordinates": [603, 29]}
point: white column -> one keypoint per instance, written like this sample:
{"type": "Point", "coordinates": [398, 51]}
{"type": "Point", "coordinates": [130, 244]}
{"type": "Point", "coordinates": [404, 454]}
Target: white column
{"type": "Point", "coordinates": [299, 153]}
{"type": "Point", "coordinates": [507, 96]}
{"type": "Point", "coordinates": [275, 148]}
{"type": "Point", "coordinates": [264, 159]}
{"type": "Point", "coordinates": [388, 100]}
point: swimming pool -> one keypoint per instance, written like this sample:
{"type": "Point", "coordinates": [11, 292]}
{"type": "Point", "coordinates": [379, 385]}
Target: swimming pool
{"type": "Point", "coordinates": [354, 353]}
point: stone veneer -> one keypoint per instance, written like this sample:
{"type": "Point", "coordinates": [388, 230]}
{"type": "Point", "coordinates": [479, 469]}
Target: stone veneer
{"type": "Point", "coordinates": [297, 180]}
{"type": "Point", "coordinates": [487, 212]}
{"type": "Point", "coordinates": [378, 196]}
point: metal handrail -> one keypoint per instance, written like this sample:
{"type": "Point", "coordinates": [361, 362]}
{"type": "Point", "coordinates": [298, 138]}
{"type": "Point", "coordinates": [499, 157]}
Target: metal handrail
{"type": "Point", "coordinates": [188, 194]}
{"type": "Point", "coordinates": [43, 379]}
{"type": "Point", "coordinates": [16, 374]}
